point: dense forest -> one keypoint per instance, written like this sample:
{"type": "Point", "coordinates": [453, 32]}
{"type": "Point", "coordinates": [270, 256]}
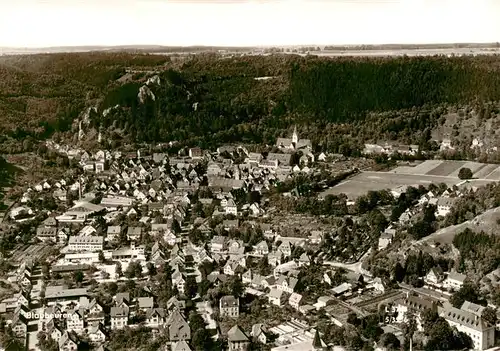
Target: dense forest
{"type": "Point", "coordinates": [207, 100]}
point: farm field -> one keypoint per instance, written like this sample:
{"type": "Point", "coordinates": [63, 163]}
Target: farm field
{"type": "Point", "coordinates": [494, 175]}
{"type": "Point", "coordinates": [433, 171]}
{"type": "Point", "coordinates": [446, 168]}
{"type": "Point", "coordinates": [485, 171]}
{"type": "Point", "coordinates": [450, 169]}
{"type": "Point", "coordinates": [366, 181]}
{"type": "Point", "coordinates": [473, 166]}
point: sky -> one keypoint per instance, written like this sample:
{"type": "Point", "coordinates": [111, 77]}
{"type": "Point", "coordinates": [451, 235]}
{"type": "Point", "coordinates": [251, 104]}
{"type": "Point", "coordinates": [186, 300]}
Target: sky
{"type": "Point", "coordinates": [44, 23]}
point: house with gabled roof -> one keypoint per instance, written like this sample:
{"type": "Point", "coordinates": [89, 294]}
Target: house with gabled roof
{"type": "Point", "coordinates": [218, 244]}
{"type": "Point", "coordinates": [261, 249]}
{"type": "Point", "coordinates": [454, 281]}
{"type": "Point", "coordinates": [285, 248]}
{"type": "Point", "coordinates": [304, 260]}
{"type": "Point", "coordinates": [55, 330]}
{"type": "Point", "coordinates": [237, 339]}
{"type": "Point", "coordinates": [275, 297]}
{"type": "Point", "coordinates": [134, 233]}
{"type": "Point", "coordinates": [97, 333]}
{"type": "Point", "coordinates": [179, 281]}
{"type": "Point", "coordinates": [178, 328]}
{"type": "Point", "coordinates": [155, 317]}
{"type": "Point", "coordinates": [286, 284]}
{"type": "Point", "coordinates": [69, 342]}
{"type": "Point", "coordinates": [435, 276]}
{"type": "Point", "coordinates": [181, 346]}
{"type": "Point", "coordinates": [236, 247]}
{"type": "Point", "coordinates": [231, 207]}
{"type": "Point", "coordinates": [75, 320]}
{"type": "Point", "coordinates": [119, 317]}
{"type": "Point", "coordinates": [295, 300]}
{"type": "Point", "coordinates": [174, 303]}
{"type": "Point", "coordinates": [259, 333]}
{"type": "Point", "coordinates": [232, 267]}
{"type": "Point", "coordinates": [19, 325]}
{"type": "Point", "coordinates": [275, 258]}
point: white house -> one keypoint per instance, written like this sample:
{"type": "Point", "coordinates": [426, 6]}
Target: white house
{"type": "Point", "coordinates": [444, 205]}
{"type": "Point", "coordinates": [119, 317]}
{"type": "Point", "coordinates": [295, 300]}
{"type": "Point", "coordinates": [435, 276]}
{"type": "Point", "coordinates": [276, 297]}
{"type": "Point", "coordinates": [231, 207]}
{"type": "Point", "coordinates": [481, 333]}
{"type": "Point", "coordinates": [454, 281]}
{"type": "Point", "coordinates": [446, 145]}
{"type": "Point", "coordinates": [386, 238]}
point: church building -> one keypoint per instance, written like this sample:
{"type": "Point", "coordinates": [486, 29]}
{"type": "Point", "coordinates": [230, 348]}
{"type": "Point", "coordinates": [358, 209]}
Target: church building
{"type": "Point", "coordinates": [294, 143]}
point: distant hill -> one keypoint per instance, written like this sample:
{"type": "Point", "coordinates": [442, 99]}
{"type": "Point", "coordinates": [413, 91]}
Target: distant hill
{"type": "Point", "coordinates": [201, 48]}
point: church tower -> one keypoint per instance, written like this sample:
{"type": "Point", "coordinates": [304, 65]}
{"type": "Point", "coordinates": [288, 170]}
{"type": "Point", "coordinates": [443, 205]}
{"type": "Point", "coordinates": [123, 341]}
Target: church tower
{"type": "Point", "coordinates": [295, 137]}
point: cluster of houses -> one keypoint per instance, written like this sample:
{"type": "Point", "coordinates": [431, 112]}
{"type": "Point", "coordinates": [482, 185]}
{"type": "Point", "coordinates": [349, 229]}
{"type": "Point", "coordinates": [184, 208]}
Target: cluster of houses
{"type": "Point", "coordinates": [123, 200]}
{"type": "Point", "coordinates": [141, 190]}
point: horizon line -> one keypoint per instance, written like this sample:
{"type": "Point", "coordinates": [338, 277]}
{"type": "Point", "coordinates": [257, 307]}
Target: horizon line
{"type": "Point", "coordinates": [241, 46]}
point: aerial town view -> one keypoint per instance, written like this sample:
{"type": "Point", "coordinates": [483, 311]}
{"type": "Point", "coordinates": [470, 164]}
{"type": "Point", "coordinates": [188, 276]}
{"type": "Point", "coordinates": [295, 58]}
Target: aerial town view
{"type": "Point", "coordinates": [244, 197]}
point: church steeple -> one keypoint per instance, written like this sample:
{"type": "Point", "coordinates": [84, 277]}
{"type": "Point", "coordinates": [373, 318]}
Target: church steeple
{"type": "Point", "coordinates": [295, 137]}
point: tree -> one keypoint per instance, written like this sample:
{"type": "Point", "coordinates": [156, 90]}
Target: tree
{"type": "Point", "coordinates": [151, 269]}
{"type": "Point", "coordinates": [46, 343]}
{"type": "Point", "coordinates": [236, 286]}
{"type": "Point", "coordinates": [118, 269]}
{"type": "Point", "coordinates": [443, 337]}
{"type": "Point", "coordinates": [102, 259]}
{"type": "Point", "coordinates": [390, 341]}
{"type": "Point", "coordinates": [468, 292]}
{"type": "Point", "coordinates": [134, 269]}
{"type": "Point", "coordinates": [191, 288]}
{"type": "Point", "coordinates": [370, 327]}
{"type": "Point", "coordinates": [353, 319]}
{"type": "Point", "coordinates": [465, 173]}
{"type": "Point", "coordinates": [78, 277]}
{"type": "Point", "coordinates": [176, 227]}
{"type": "Point", "coordinates": [399, 272]}
{"type": "Point", "coordinates": [196, 321]}
{"type": "Point", "coordinates": [201, 340]}
{"type": "Point", "coordinates": [490, 315]}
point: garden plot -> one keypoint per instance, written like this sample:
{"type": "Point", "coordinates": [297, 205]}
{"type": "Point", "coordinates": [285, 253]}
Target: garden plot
{"type": "Point", "coordinates": [495, 175]}
{"type": "Point", "coordinates": [426, 166]}
{"type": "Point", "coordinates": [473, 166]}
{"type": "Point", "coordinates": [485, 171]}
{"type": "Point", "coordinates": [446, 168]}
{"type": "Point", "coordinates": [361, 183]}
{"type": "Point", "coordinates": [403, 170]}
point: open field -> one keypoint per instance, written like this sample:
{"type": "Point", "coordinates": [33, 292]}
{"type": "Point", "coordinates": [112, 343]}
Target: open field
{"type": "Point", "coordinates": [485, 171]}
{"type": "Point", "coordinates": [433, 171]}
{"type": "Point", "coordinates": [422, 168]}
{"type": "Point", "coordinates": [473, 166]}
{"type": "Point", "coordinates": [494, 175]}
{"type": "Point", "coordinates": [366, 181]}
{"type": "Point", "coordinates": [445, 168]}
{"type": "Point", "coordinates": [450, 169]}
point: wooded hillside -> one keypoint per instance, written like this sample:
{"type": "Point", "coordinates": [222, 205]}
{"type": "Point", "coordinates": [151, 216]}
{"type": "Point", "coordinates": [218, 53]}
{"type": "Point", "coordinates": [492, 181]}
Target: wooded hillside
{"type": "Point", "coordinates": [208, 100]}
